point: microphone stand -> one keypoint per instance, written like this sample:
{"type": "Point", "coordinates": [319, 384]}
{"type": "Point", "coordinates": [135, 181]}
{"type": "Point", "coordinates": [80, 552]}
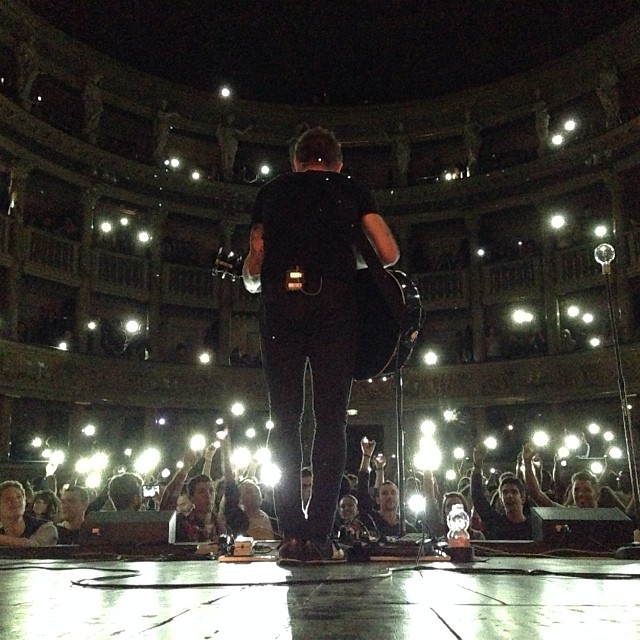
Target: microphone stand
{"type": "Point", "coordinates": [400, 444]}
{"type": "Point", "coordinates": [604, 254]}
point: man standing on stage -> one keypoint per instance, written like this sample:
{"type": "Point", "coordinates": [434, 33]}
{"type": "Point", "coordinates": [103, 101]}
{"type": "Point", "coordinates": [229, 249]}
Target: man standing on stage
{"type": "Point", "coordinates": [301, 258]}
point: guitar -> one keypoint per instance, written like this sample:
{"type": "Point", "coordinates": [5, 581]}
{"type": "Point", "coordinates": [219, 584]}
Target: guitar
{"type": "Point", "coordinates": [390, 316]}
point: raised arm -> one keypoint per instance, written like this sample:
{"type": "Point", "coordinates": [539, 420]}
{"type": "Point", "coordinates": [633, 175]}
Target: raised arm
{"type": "Point", "coordinates": [176, 484]}
{"type": "Point", "coordinates": [381, 238]}
{"type": "Point", "coordinates": [530, 480]}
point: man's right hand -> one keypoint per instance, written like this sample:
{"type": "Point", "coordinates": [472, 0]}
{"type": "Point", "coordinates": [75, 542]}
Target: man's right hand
{"type": "Point", "coordinates": [367, 446]}
{"type": "Point", "coordinates": [189, 458]}
{"type": "Point", "coordinates": [479, 453]}
{"type": "Point", "coordinates": [528, 452]}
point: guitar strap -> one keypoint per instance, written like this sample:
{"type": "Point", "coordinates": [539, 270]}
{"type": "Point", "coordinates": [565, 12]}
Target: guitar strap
{"type": "Point", "coordinates": [384, 282]}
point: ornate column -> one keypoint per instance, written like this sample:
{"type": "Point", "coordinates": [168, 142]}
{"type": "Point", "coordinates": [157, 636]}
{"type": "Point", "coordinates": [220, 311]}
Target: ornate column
{"type": "Point", "coordinates": [402, 233]}
{"type": "Point", "coordinates": [155, 284]}
{"type": "Point", "coordinates": [89, 200]}
{"type": "Point", "coordinates": [227, 231]}
{"type": "Point", "coordinates": [6, 406]}
{"type": "Point", "coordinates": [475, 290]}
{"type": "Point", "coordinates": [620, 220]}
{"type": "Point", "coordinates": [19, 244]}
{"type": "Point", "coordinates": [551, 310]}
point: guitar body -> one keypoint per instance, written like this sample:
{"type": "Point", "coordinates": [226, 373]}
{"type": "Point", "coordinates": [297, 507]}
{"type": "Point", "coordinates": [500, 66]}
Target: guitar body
{"type": "Point", "coordinates": [383, 345]}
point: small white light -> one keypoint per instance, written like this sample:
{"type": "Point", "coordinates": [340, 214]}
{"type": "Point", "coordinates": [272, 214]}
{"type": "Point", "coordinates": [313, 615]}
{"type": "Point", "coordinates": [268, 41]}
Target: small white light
{"type": "Point", "coordinates": [558, 221]}
{"type": "Point", "coordinates": [570, 125]}
{"type": "Point", "coordinates": [89, 430]}
{"type": "Point", "coordinates": [416, 503]}
{"type": "Point", "coordinates": [198, 442]}
{"type": "Point", "coordinates": [165, 473]}
{"type": "Point", "coordinates": [520, 316]}
{"type": "Point", "coordinates": [540, 439]}
{"type": "Point", "coordinates": [480, 252]}
{"type": "Point", "coordinates": [427, 428]}
{"type": "Point", "coordinates": [615, 453]}
{"type": "Point", "coordinates": [563, 452]}
{"type": "Point", "coordinates": [250, 433]}
{"type": "Point", "coordinates": [608, 436]}
{"type": "Point", "coordinates": [594, 342]}
{"type": "Point", "coordinates": [132, 326]}
{"type": "Point", "coordinates": [450, 475]}
{"type": "Point", "coordinates": [63, 346]}
{"type": "Point", "coordinates": [572, 442]}
{"type": "Point", "coordinates": [430, 358]}
{"type": "Point", "coordinates": [204, 358]}
{"type": "Point", "coordinates": [449, 415]}
{"type": "Point", "coordinates": [600, 231]}
{"type": "Point", "coordinates": [596, 467]}
{"type": "Point", "coordinates": [124, 221]}
{"type": "Point", "coordinates": [270, 474]}
{"type": "Point", "coordinates": [36, 442]}
{"type": "Point", "coordinates": [237, 409]}
{"type": "Point", "coordinates": [269, 425]}
{"type": "Point", "coordinates": [240, 458]}
{"type": "Point", "coordinates": [587, 318]}
{"type": "Point", "coordinates": [573, 311]}
{"type": "Point", "coordinates": [225, 92]}
{"type": "Point", "coordinates": [458, 453]}
{"type": "Point", "coordinates": [265, 169]}
{"type": "Point", "coordinates": [195, 175]}
{"type": "Point", "coordinates": [557, 139]}
{"type": "Point", "coordinates": [128, 452]}
{"type": "Point", "coordinates": [490, 442]}
{"type": "Point", "coordinates": [174, 163]}
{"type": "Point", "coordinates": [106, 227]}
{"type": "Point", "coordinates": [144, 236]}
{"type": "Point", "coordinates": [92, 326]}
{"type": "Point", "coordinates": [593, 428]}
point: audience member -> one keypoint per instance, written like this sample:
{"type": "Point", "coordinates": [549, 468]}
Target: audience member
{"type": "Point", "coordinates": [386, 518]}
{"type": "Point", "coordinates": [242, 503]}
{"type": "Point", "coordinates": [510, 525]}
{"type": "Point", "coordinates": [125, 492]}
{"type": "Point", "coordinates": [18, 529]}
{"type": "Point", "coordinates": [74, 501]}
{"type": "Point", "coordinates": [46, 505]}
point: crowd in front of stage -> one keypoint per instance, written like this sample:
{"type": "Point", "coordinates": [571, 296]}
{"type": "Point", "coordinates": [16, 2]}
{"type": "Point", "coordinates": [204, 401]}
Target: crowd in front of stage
{"type": "Point", "coordinates": [209, 510]}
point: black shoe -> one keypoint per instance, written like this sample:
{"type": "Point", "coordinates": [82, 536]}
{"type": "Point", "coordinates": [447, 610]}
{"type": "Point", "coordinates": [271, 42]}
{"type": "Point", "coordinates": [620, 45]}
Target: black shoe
{"type": "Point", "coordinates": [290, 553]}
{"type": "Point", "coordinates": [323, 552]}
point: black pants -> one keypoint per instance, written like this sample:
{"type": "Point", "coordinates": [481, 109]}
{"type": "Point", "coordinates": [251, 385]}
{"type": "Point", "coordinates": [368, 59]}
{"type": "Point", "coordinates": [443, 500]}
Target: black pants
{"type": "Point", "coordinates": [316, 331]}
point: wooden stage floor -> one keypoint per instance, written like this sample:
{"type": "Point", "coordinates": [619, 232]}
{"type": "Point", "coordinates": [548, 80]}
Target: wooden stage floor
{"type": "Point", "coordinates": [493, 598]}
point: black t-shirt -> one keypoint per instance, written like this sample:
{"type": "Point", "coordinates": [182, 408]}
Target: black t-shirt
{"type": "Point", "coordinates": [308, 219]}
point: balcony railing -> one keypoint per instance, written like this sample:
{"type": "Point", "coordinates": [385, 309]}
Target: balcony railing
{"type": "Point", "coordinates": [121, 275]}
{"type": "Point", "coordinates": [508, 281]}
{"type": "Point", "coordinates": [51, 256]}
{"type": "Point", "coordinates": [443, 289]}
{"type": "Point", "coordinates": [190, 286]}
{"type": "Point", "coordinates": [576, 268]}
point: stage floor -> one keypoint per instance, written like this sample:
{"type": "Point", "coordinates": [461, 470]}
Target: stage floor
{"type": "Point", "coordinates": [493, 598]}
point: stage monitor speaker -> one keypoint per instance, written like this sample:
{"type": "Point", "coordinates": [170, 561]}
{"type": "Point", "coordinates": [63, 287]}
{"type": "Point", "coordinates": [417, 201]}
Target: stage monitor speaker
{"type": "Point", "coordinates": [128, 528]}
{"type": "Point", "coordinates": [597, 529]}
